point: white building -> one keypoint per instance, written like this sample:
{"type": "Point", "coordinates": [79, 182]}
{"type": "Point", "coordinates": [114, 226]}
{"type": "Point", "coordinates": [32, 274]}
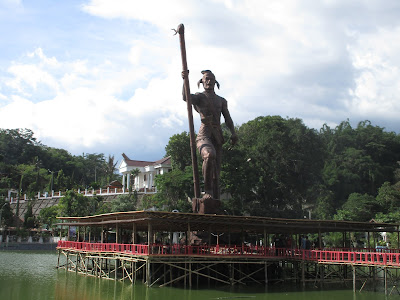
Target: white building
{"type": "Point", "coordinates": [148, 170]}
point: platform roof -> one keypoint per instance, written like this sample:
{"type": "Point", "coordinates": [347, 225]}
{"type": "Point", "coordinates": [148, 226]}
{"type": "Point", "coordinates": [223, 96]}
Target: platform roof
{"type": "Point", "coordinates": [175, 222]}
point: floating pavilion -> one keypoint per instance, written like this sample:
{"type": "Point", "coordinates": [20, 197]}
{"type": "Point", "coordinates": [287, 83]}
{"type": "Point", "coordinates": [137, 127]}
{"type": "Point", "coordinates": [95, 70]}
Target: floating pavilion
{"type": "Point", "coordinates": [166, 248]}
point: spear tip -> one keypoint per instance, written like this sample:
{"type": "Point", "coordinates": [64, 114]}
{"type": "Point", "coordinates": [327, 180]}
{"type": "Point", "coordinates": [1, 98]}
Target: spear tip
{"type": "Point", "coordinates": [181, 29]}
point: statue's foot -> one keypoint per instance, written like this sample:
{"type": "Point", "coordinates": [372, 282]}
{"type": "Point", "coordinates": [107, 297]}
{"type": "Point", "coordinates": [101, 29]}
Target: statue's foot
{"type": "Point", "coordinates": [207, 196]}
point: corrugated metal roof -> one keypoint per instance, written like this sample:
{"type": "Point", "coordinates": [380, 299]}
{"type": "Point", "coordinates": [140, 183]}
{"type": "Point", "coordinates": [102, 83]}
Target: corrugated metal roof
{"type": "Point", "coordinates": [168, 221]}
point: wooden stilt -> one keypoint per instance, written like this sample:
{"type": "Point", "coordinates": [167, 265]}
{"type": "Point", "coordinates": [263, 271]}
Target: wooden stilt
{"type": "Point", "coordinates": [116, 269]}
{"type": "Point", "coordinates": [385, 280]}
{"type": "Point", "coordinates": [58, 259]}
{"type": "Point", "coordinates": [190, 274]}
{"type": "Point", "coordinates": [197, 279]}
{"type": "Point", "coordinates": [77, 263]}
{"type": "Point", "coordinates": [148, 275]}
{"type": "Point", "coordinates": [135, 271]}
{"type": "Point", "coordinates": [165, 273]}
{"type": "Point", "coordinates": [184, 278]}
{"type": "Point", "coordinates": [374, 278]}
{"type": "Point", "coordinates": [67, 266]}
{"type": "Point", "coordinates": [208, 277]}
{"type": "Point", "coordinates": [266, 272]}
{"type": "Point", "coordinates": [171, 278]}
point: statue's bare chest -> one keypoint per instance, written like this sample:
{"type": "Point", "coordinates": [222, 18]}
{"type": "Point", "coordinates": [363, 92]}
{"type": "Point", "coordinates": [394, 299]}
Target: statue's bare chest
{"type": "Point", "coordinates": [210, 105]}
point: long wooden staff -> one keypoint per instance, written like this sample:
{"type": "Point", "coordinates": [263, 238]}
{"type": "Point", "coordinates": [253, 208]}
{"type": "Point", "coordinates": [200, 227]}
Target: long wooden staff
{"type": "Point", "coordinates": [181, 31]}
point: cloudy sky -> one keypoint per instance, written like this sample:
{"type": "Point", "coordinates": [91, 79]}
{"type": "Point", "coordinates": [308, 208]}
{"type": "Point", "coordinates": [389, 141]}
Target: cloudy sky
{"type": "Point", "coordinates": [103, 76]}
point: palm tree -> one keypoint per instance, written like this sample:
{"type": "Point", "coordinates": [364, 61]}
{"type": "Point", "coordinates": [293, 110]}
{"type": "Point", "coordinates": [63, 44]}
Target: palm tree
{"type": "Point", "coordinates": [134, 173]}
{"type": "Point", "coordinates": [110, 168]}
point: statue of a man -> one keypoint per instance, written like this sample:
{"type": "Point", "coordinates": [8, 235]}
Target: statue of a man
{"type": "Point", "coordinates": [210, 138]}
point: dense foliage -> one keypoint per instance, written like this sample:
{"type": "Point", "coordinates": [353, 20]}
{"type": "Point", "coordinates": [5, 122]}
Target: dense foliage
{"type": "Point", "coordinates": [280, 168]}
{"type": "Point", "coordinates": [31, 167]}
{"type": "Point", "coordinates": [274, 168]}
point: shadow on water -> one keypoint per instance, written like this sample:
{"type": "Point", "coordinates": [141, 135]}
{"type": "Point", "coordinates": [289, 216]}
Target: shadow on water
{"type": "Point", "coordinates": [32, 275]}
{"type": "Point", "coordinates": [72, 286]}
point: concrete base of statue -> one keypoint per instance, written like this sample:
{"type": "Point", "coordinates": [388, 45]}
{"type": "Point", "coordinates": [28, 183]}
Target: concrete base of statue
{"type": "Point", "coordinates": [206, 205]}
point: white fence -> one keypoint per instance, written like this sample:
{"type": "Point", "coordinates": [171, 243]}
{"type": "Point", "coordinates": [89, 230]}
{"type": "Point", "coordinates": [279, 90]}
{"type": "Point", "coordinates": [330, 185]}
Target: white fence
{"type": "Point", "coordinates": [86, 192]}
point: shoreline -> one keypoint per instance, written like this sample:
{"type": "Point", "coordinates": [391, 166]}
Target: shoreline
{"type": "Point", "coordinates": [27, 246]}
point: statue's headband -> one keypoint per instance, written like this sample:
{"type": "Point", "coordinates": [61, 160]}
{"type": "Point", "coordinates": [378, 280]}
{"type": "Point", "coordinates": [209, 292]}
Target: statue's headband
{"type": "Point", "coordinates": [207, 72]}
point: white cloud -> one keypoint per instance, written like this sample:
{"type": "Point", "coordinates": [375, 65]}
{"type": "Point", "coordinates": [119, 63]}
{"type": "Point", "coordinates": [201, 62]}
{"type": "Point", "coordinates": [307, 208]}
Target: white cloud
{"type": "Point", "coordinates": [86, 112]}
{"type": "Point", "coordinates": [3, 97]}
{"type": "Point", "coordinates": [30, 75]}
{"type": "Point", "coordinates": [44, 60]}
{"type": "Point", "coordinates": [323, 62]}
{"type": "Point", "coordinates": [377, 84]}
{"type": "Point", "coordinates": [157, 12]}
{"type": "Point", "coordinates": [292, 58]}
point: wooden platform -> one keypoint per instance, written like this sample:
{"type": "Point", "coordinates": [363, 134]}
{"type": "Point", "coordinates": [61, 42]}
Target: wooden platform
{"type": "Point", "coordinates": [216, 249]}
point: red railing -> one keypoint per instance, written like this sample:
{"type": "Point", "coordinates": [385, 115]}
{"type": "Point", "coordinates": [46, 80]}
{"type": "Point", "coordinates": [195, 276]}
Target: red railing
{"type": "Point", "coordinates": [209, 250]}
{"type": "Point", "coordinates": [327, 256]}
{"type": "Point", "coordinates": [105, 247]}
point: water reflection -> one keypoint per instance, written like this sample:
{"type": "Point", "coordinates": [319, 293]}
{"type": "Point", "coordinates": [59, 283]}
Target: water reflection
{"type": "Point", "coordinates": [31, 275]}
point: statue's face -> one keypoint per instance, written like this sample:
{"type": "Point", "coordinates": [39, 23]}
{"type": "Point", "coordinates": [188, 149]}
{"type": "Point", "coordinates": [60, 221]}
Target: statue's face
{"type": "Point", "coordinates": [208, 81]}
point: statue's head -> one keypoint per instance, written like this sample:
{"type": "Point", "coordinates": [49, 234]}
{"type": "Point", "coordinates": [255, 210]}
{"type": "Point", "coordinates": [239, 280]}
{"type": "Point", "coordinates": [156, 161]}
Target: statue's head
{"type": "Point", "coordinates": [208, 80]}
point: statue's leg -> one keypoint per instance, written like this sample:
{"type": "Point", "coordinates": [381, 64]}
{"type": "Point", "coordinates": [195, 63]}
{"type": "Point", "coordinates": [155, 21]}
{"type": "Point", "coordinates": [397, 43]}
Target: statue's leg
{"type": "Point", "coordinates": [216, 185]}
{"type": "Point", "coordinates": [208, 154]}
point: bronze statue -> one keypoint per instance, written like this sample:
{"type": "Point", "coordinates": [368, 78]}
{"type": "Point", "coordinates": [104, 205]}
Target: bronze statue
{"type": "Point", "coordinates": [209, 140]}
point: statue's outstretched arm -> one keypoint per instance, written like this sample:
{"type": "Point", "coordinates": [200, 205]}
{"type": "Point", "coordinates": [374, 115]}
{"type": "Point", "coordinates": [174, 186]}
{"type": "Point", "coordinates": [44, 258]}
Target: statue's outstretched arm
{"type": "Point", "coordinates": [229, 122]}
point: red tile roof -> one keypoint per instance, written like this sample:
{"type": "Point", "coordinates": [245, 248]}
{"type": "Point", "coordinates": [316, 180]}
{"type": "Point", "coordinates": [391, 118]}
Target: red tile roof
{"type": "Point", "coordinates": [141, 163]}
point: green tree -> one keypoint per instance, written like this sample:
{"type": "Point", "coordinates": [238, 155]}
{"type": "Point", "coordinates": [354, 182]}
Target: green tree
{"type": "Point", "coordinates": [359, 207]}
{"type": "Point", "coordinates": [6, 213]}
{"type": "Point", "coordinates": [18, 146]}
{"type": "Point", "coordinates": [278, 161]}
{"type": "Point", "coordinates": [110, 168]}
{"type": "Point", "coordinates": [61, 181]}
{"type": "Point", "coordinates": [389, 197]}
{"type": "Point", "coordinates": [77, 205]}
{"type": "Point", "coordinates": [358, 159]}
{"type": "Point", "coordinates": [179, 149]}
{"type": "Point", "coordinates": [19, 149]}
{"type": "Point", "coordinates": [29, 218]}
{"type": "Point", "coordinates": [173, 190]}
{"type": "Point", "coordinates": [48, 215]}
{"type": "Point", "coordinates": [31, 178]}
{"type": "Point", "coordinates": [134, 173]}
{"type": "Point", "coordinates": [324, 205]}
{"type": "Point", "coordinates": [124, 203]}
{"type": "Point", "coordinates": [103, 208]}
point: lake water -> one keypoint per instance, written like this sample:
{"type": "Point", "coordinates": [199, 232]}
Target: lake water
{"type": "Point", "coordinates": [32, 275]}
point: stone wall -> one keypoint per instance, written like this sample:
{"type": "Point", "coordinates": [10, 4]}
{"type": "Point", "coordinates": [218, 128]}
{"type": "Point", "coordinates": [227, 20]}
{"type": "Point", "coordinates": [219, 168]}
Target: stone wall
{"type": "Point", "coordinates": [39, 204]}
